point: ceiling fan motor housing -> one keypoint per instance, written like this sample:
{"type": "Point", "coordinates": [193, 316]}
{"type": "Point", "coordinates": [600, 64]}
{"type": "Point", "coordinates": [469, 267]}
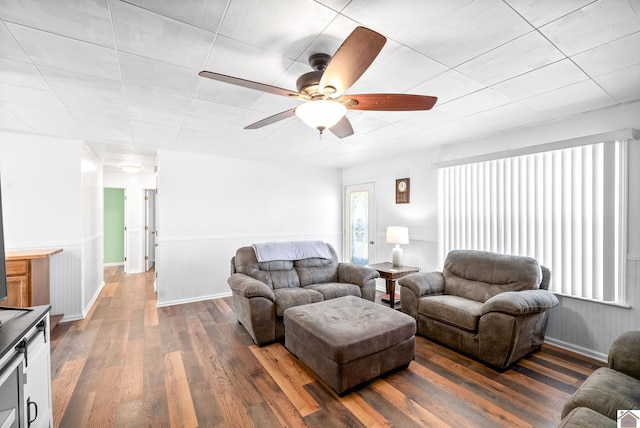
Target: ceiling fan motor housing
{"type": "Point", "coordinates": [319, 61]}
{"type": "Point", "coordinates": [308, 83]}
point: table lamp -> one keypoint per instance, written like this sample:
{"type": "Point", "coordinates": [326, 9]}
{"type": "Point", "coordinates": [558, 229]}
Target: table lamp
{"type": "Point", "coordinates": [397, 235]}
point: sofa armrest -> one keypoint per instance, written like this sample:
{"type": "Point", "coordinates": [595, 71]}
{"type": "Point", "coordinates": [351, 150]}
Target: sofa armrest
{"type": "Point", "coordinates": [356, 274]}
{"type": "Point", "coordinates": [623, 355]}
{"type": "Point", "coordinates": [520, 302]}
{"type": "Point", "coordinates": [248, 287]}
{"type": "Point", "coordinates": [423, 283]}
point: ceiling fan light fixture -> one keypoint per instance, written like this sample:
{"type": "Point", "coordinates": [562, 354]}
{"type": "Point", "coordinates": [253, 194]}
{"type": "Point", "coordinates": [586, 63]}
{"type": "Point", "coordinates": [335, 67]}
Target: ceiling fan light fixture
{"type": "Point", "coordinates": [321, 114]}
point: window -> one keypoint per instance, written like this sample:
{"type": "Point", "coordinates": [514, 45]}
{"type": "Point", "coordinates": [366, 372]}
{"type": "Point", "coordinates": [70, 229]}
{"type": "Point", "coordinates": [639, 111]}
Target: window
{"type": "Point", "coordinates": [564, 207]}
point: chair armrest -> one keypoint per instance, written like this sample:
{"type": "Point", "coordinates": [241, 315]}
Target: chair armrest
{"type": "Point", "coordinates": [248, 287]}
{"type": "Point", "coordinates": [624, 352]}
{"type": "Point", "coordinates": [356, 274]}
{"type": "Point", "coordinates": [423, 283]}
{"type": "Point", "coordinates": [520, 302]}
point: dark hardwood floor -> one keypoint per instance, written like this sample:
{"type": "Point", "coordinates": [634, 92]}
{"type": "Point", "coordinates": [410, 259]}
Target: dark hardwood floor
{"type": "Point", "coordinates": [130, 364]}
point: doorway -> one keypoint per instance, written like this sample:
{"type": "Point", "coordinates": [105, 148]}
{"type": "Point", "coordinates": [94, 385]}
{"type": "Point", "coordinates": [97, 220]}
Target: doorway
{"type": "Point", "coordinates": [149, 228]}
{"type": "Point", "coordinates": [114, 226]}
{"type": "Point", "coordinates": [360, 223]}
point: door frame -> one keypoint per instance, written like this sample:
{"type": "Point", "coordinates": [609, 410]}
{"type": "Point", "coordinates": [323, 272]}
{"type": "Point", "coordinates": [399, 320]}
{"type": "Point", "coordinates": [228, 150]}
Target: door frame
{"type": "Point", "coordinates": [346, 230]}
{"type": "Point", "coordinates": [149, 228]}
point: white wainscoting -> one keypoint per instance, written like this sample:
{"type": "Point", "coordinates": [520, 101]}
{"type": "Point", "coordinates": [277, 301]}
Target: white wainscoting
{"type": "Point", "coordinates": [76, 275]}
{"type": "Point", "coordinates": [92, 271]}
{"type": "Point", "coordinates": [193, 269]}
{"type": "Point", "coordinates": [589, 328]}
{"type": "Point", "coordinates": [66, 280]}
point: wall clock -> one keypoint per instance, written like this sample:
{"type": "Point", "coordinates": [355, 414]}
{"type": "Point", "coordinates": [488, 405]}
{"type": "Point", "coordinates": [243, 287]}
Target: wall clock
{"type": "Point", "coordinates": [402, 191]}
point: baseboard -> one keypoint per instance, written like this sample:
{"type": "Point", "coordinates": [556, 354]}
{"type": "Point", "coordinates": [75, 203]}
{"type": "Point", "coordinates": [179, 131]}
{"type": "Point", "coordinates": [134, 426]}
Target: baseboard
{"type": "Point", "coordinates": [195, 299]}
{"type": "Point", "coordinates": [86, 310]}
{"type": "Point", "coordinates": [113, 264]}
{"type": "Point", "coordinates": [71, 318]}
{"type": "Point", "coordinates": [577, 349]}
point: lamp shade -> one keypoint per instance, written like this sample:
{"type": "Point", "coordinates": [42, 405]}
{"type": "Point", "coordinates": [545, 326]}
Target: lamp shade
{"type": "Point", "coordinates": [321, 114]}
{"type": "Point", "coordinates": [397, 235]}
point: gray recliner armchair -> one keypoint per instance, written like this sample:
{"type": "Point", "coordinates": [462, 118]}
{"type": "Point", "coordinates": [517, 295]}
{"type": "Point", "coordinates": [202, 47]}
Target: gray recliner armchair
{"type": "Point", "coordinates": [608, 390]}
{"type": "Point", "coordinates": [493, 307]}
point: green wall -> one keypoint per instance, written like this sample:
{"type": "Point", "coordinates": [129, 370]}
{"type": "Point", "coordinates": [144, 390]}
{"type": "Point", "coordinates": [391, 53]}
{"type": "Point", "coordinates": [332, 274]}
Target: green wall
{"type": "Point", "coordinates": [113, 225]}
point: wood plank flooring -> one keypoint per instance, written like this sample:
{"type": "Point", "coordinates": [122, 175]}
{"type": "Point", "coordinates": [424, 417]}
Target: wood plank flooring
{"type": "Point", "coordinates": [130, 364]}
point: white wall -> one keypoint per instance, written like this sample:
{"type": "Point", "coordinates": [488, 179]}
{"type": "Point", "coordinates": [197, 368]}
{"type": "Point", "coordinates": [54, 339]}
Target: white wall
{"type": "Point", "coordinates": [134, 185]}
{"type": "Point", "coordinates": [92, 227]}
{"type": "Point", "coordinates": [48, 187]}
{"type": "Point", "coordinates": [209, 206]}
{"type": "Point", "coordinates": [575, 324]}
{"type": "Point", "coordinates": [41, 189]}
{"type": "Point", "coordinates": [420, 215]}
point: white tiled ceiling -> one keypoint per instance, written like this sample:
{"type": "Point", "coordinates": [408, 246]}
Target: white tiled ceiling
{"type": "Point", "coordinates": [123, 75]}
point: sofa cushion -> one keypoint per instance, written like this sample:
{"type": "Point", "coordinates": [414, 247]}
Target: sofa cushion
{"type": "Point", "coordinates": [480, 275]}
{"type": "Point", "coordinates": [317, 270]}
{"type": "Point", "coordinates": [332, 290]}
{"type": "Point", "coordinates": [287, 273]}
{"type": "Point", "coordinates": [290, 297]}
{"type": "Point", "coordinates": [583, 417]}
{"type": "Point", "coordinates": [283, 278]}
{"type": "Point", "coordinates": [276, 274]}
{"type": "Point", "coordinates": [606, 391]}
{"type": "Point", "coordinates": [453, 310]}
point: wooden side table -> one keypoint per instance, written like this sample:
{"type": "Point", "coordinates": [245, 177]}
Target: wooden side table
{"type": "Point", "coordinates": [391, 275]}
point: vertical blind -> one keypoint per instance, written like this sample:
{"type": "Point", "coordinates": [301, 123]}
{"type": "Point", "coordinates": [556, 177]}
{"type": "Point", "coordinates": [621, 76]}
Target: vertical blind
{"type": "Point", "coordinates": [563, 207]}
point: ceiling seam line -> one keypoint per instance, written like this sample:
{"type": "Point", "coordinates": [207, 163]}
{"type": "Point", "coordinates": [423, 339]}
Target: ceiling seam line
{"type": "Point", "coordinates": [43, 79]}
{"type": "Point", "coordinates": [124, 92]}
{"type": "Point", "coordinates": [570, 57]}
{"type": "Point", "coordinates": [206, 60]}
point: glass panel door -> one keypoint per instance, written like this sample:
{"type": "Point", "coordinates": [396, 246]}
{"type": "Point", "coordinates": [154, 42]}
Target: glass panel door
{"type": "Point", "coordinates": [360, 224]}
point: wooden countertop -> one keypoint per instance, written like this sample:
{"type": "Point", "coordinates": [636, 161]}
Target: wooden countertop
{"type": "Point", "coordinates": [40, 253]}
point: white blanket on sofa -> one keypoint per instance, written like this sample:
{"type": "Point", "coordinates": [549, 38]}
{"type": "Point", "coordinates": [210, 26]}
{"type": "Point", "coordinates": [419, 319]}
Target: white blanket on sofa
{"type": "Point", "coordinates": [292, 250]}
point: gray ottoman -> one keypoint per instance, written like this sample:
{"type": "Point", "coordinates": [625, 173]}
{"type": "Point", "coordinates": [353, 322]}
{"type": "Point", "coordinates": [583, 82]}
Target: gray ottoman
{"type": "Point", "coordinates": [349, 340]}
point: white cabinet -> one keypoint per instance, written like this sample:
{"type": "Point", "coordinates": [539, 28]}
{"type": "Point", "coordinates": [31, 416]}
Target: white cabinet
{"type": "Point", "coordinates": [37, 378]}
{"type": "Point", "coordinates": [25, 369]}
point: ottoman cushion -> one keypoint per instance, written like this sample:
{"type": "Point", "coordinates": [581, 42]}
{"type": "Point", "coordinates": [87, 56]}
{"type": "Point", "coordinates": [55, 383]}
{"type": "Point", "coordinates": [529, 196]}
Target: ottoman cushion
{"type": "Point", "coordinates": [347, 332]}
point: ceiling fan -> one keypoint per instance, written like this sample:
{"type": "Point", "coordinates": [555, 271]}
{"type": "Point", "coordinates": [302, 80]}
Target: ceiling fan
{"type": "Point", "coordinates": [322, 90]}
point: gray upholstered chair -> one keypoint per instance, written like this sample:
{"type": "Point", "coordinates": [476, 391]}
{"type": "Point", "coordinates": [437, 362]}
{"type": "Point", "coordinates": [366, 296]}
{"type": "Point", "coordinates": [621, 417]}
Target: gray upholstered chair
{"type": "Point", "coordinates": [493, 307]}
{"type": "Point", "coordinates": [608, 389]}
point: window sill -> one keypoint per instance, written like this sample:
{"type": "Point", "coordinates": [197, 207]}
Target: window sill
{"type": "Point", "coordinates": [599, 302]}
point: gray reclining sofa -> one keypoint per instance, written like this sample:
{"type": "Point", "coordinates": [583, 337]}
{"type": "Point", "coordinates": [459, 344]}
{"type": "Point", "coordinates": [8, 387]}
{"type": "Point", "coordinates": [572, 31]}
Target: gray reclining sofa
{"type": "Point", "coordinates": [262, 291]}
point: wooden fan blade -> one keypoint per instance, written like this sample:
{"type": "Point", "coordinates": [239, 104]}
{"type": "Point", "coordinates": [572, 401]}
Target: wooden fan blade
{"type": "Point", "coordinates": [351, 60]}
{"type": "Point", "coordinates": [272, 119]}
{"type": "Point", "coordinates": [388, 102]}
{"type": "Point", "coordinates": [250, 84]}
{"type": "Point", "coordinates": [342, 129]}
